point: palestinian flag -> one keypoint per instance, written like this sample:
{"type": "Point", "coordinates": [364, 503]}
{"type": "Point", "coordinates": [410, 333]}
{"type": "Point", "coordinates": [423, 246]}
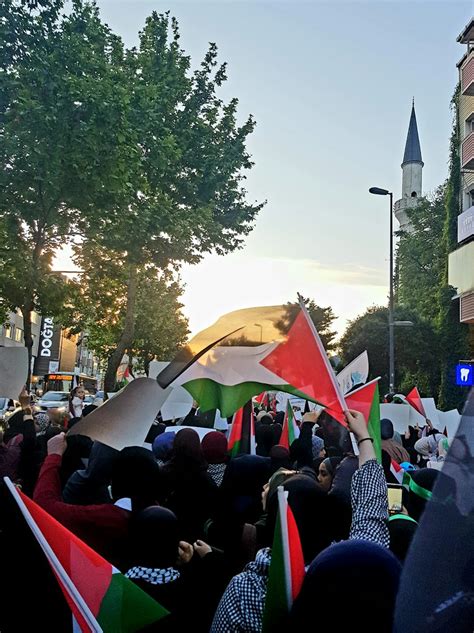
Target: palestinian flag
{"type": "Point", "coordinates": [262, 400]}
{"type": "Point", "coordinates": [404, 478]}
{"type": "Point", "coordinates": [414, 399]}
{"type": "Point", "coordinates": [290, 429]}
{"type": "Point", "coordinates": [286, 573]}
{"type": "Point", "coordinates": [100, 597]}
{"type": "Point", "coordinates": [242, 433]}
{"type": "Point", "coordinates": [397, 471]}
{"type": "Point", "coordinates": [366, 400]}
{"type": "Point", "coordinates": [227, 375]}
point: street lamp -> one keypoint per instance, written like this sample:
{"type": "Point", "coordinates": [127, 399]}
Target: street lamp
{"type": "Point", "coordinates": [391, 341]}
{"type": "Point", "coordinates": [261, 331]}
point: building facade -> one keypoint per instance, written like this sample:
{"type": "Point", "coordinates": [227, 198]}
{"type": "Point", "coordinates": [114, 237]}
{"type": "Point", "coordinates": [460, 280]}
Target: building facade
{"type": "Point", "coordinates": [461, 260]}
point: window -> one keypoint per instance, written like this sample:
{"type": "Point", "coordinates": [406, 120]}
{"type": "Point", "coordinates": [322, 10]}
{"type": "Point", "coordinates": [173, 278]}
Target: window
{"type": "Point", "coordinates": [18, 334]}
{"type": "Point", "coordinates": [7, 330]}
{"type": "Point", "coordinates": [469, 125]}
{"type": "Point", "coordinates": [468, 199]}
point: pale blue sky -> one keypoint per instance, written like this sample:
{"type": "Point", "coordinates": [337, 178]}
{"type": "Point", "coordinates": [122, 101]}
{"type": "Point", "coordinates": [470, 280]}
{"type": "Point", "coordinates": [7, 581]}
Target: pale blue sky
{"type": "Point", "coordinates": [330, 85]}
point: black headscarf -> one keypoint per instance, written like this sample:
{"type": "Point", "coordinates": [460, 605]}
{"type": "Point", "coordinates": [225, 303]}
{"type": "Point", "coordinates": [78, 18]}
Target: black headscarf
{"type": "Point", "coordinates": [187, 452]}
{"type": "Point", "coordinates": [154, 538]}
{"type": "Point", "coordinates": [402, 529]}
{"type": "Point", "coordinates": [353, 579]}
{"type": "Point", "coordinates": [135, 474]}
{"type": "Point", "coordinates": [425, 478]}
{"type": "Point", "coordinates": [311, 509]}
{"type": "Point", "coordinates": [90, 485]}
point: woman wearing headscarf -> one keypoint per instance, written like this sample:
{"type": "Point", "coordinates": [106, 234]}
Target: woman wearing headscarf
{"type": "Point", "coordinates": [190, 492]}
{"type": "Point", "coordinates": [357, 581]}
{"type": "Point", "coordinates": [437, 461]}
{"type": "Point", "coordinates": [162, 447]}
{"type": "Point", "coordinates": [214, 448]}
{"type": "Point", "coordinates": [76, 401]}
{"type": "Point", "coordinates": [104, 527]}
{"type": "Point", "coordinates": [420, 485]}
{"type": "Point", "coordinates": [241, 606]}
{"type": "Point", "coordinates": [155, 551]}
{"type": "Point", "coordinates": [402, 529]}
{"type": "Point", "coordinates": [327, 471]}
{"type": "Point", "coordinates": [90, 485]}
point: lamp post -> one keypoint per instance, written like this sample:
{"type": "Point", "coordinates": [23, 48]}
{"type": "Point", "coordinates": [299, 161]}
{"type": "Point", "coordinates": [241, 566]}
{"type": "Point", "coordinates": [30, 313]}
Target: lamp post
{"type": "Point", "coordinates": [391, 340]}
{"type": "Point", "coordinates": [261, 331]}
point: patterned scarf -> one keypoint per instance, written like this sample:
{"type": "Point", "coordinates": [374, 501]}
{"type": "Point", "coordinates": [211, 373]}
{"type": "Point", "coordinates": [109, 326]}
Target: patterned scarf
{"type": "Point", "coordinates": [152, 575]}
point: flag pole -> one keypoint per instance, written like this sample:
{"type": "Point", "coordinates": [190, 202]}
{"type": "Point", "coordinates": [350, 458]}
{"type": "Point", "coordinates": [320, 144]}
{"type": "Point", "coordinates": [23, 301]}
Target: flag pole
{"type": "Point", "coordinates": [54, 562]}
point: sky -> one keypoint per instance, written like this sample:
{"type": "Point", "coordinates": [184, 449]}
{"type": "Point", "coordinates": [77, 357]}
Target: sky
{"type": "Point", "coordinates": [330, 85]}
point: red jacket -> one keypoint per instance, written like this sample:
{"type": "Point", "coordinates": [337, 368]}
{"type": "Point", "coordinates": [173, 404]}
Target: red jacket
{"type": "Point", "coordinates": [103, 527]}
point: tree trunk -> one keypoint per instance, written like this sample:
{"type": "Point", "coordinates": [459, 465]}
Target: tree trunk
{"type": "Point", "coordinates": [26, 312]}
{"type": "Point", "coordinates": [126, 338]}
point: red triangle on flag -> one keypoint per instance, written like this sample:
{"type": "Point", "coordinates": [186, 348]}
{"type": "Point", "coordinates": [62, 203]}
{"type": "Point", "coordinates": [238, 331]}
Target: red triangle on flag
{"type": "Point", "coordinates": [414, 399]}
{"type": "Point", "coordinates": [301, 361]}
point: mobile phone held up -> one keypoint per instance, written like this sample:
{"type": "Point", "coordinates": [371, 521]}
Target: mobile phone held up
{"type": "Point", "coordinates": [394, 492]}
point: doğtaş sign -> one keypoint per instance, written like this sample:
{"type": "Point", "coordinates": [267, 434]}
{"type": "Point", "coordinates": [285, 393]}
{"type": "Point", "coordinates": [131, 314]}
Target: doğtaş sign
{"type": "Point", "coordinates": [48, 349]}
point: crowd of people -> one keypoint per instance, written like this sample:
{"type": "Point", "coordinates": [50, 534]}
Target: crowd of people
{"type": "Point", "coordinates": [194, 527]}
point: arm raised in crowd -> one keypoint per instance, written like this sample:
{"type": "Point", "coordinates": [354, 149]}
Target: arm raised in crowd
{"type": "Point", "coordinates": [368, 489]}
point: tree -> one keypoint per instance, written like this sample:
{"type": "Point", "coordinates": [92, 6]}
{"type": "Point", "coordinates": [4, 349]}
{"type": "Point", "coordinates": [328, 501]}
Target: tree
{"type": "Point", "coordinates": [62, 144]}
{"type": "Point", "coordinates": [416, 354]}
{"type": "Point", "coordinates": [183, 195]}
{"type": "Point", "coordinates": [420, 258]}
{"type": "Point", "coordinates": [160, 327]}
{"type": "Point", "coordinates": [322, 318]}
{"type": "Point", "coordinates": [422, 262]}
{"type": "Point", "coordinates": [454, 342]}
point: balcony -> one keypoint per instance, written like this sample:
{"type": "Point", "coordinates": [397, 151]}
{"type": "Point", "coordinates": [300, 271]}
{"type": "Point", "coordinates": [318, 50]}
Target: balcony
{"type": "Point", "coordinates": [467, 77]}
{"type": "Point", "coordinates": [467, 161]}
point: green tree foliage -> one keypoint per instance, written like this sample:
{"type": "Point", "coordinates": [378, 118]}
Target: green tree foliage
{"type": "Point", "coordinates": [453, 336]}
{"type": "Point", "coordinates": [420, 258]}
{"type": "Point", "coordinates": [183, 194]}
{"type": "Point", "coordinates": [423, 288]}
{"type": "Point", "coordinates": [323, 319]}
{"type": "Point", "coordinates": [416, 354]}
{"type": "Point", "coordinates": [60, 146]}
{"type": "Point", "coordinates": [160, 327]}
{"type": "Point", "coordinates": [100, 308]}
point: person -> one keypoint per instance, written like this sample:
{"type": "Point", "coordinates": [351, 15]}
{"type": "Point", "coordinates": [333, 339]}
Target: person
{"type": "Point", "coordinates": [402, 529]}
{"type": "Point", "coordinates": [185, 579]}
{"type": "Point", "coordinates": [327, 471]}
{"type": "Point", "coordinates": [427, 446]}
{"type": "Point", "coordinates": [214, 448]}
{"type": "Point", "coordinates": [104, 527]}
{"type": "Point", "coordinates": [437, 461]}
{"type": "Point", "coordinates": [190, 492]}
{"type": "Point", "coordinates": [163, 447]}
{"type": "Point", "coordinates": [241, 607]}
{"type": "Point", "coordinates": [90, 486]}
{"type": "Point", "coordinates": [76, 401]}
{"type": "Point", "coordinates": [356, 581]}
{"type": "Point", "coordinates": [394, 449]}
{"type": "Point", "coordinates": [421, 484]}
{"type": "Point", "coordinates": [155, 555]}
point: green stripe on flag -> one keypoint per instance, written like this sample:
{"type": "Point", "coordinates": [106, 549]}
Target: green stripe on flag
{"type": "Point", "coordinates": [276, 601]}
{"type": "Point", "coordinates": [373, 424]}
{"type": "Point", "coordinates": [126, 608]}
{"type": "Point", "coordinates": [229, 398]}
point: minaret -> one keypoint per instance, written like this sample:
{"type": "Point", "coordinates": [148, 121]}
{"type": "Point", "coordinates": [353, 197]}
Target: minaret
{"type": "Point", "coordinates": [412, 168]}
